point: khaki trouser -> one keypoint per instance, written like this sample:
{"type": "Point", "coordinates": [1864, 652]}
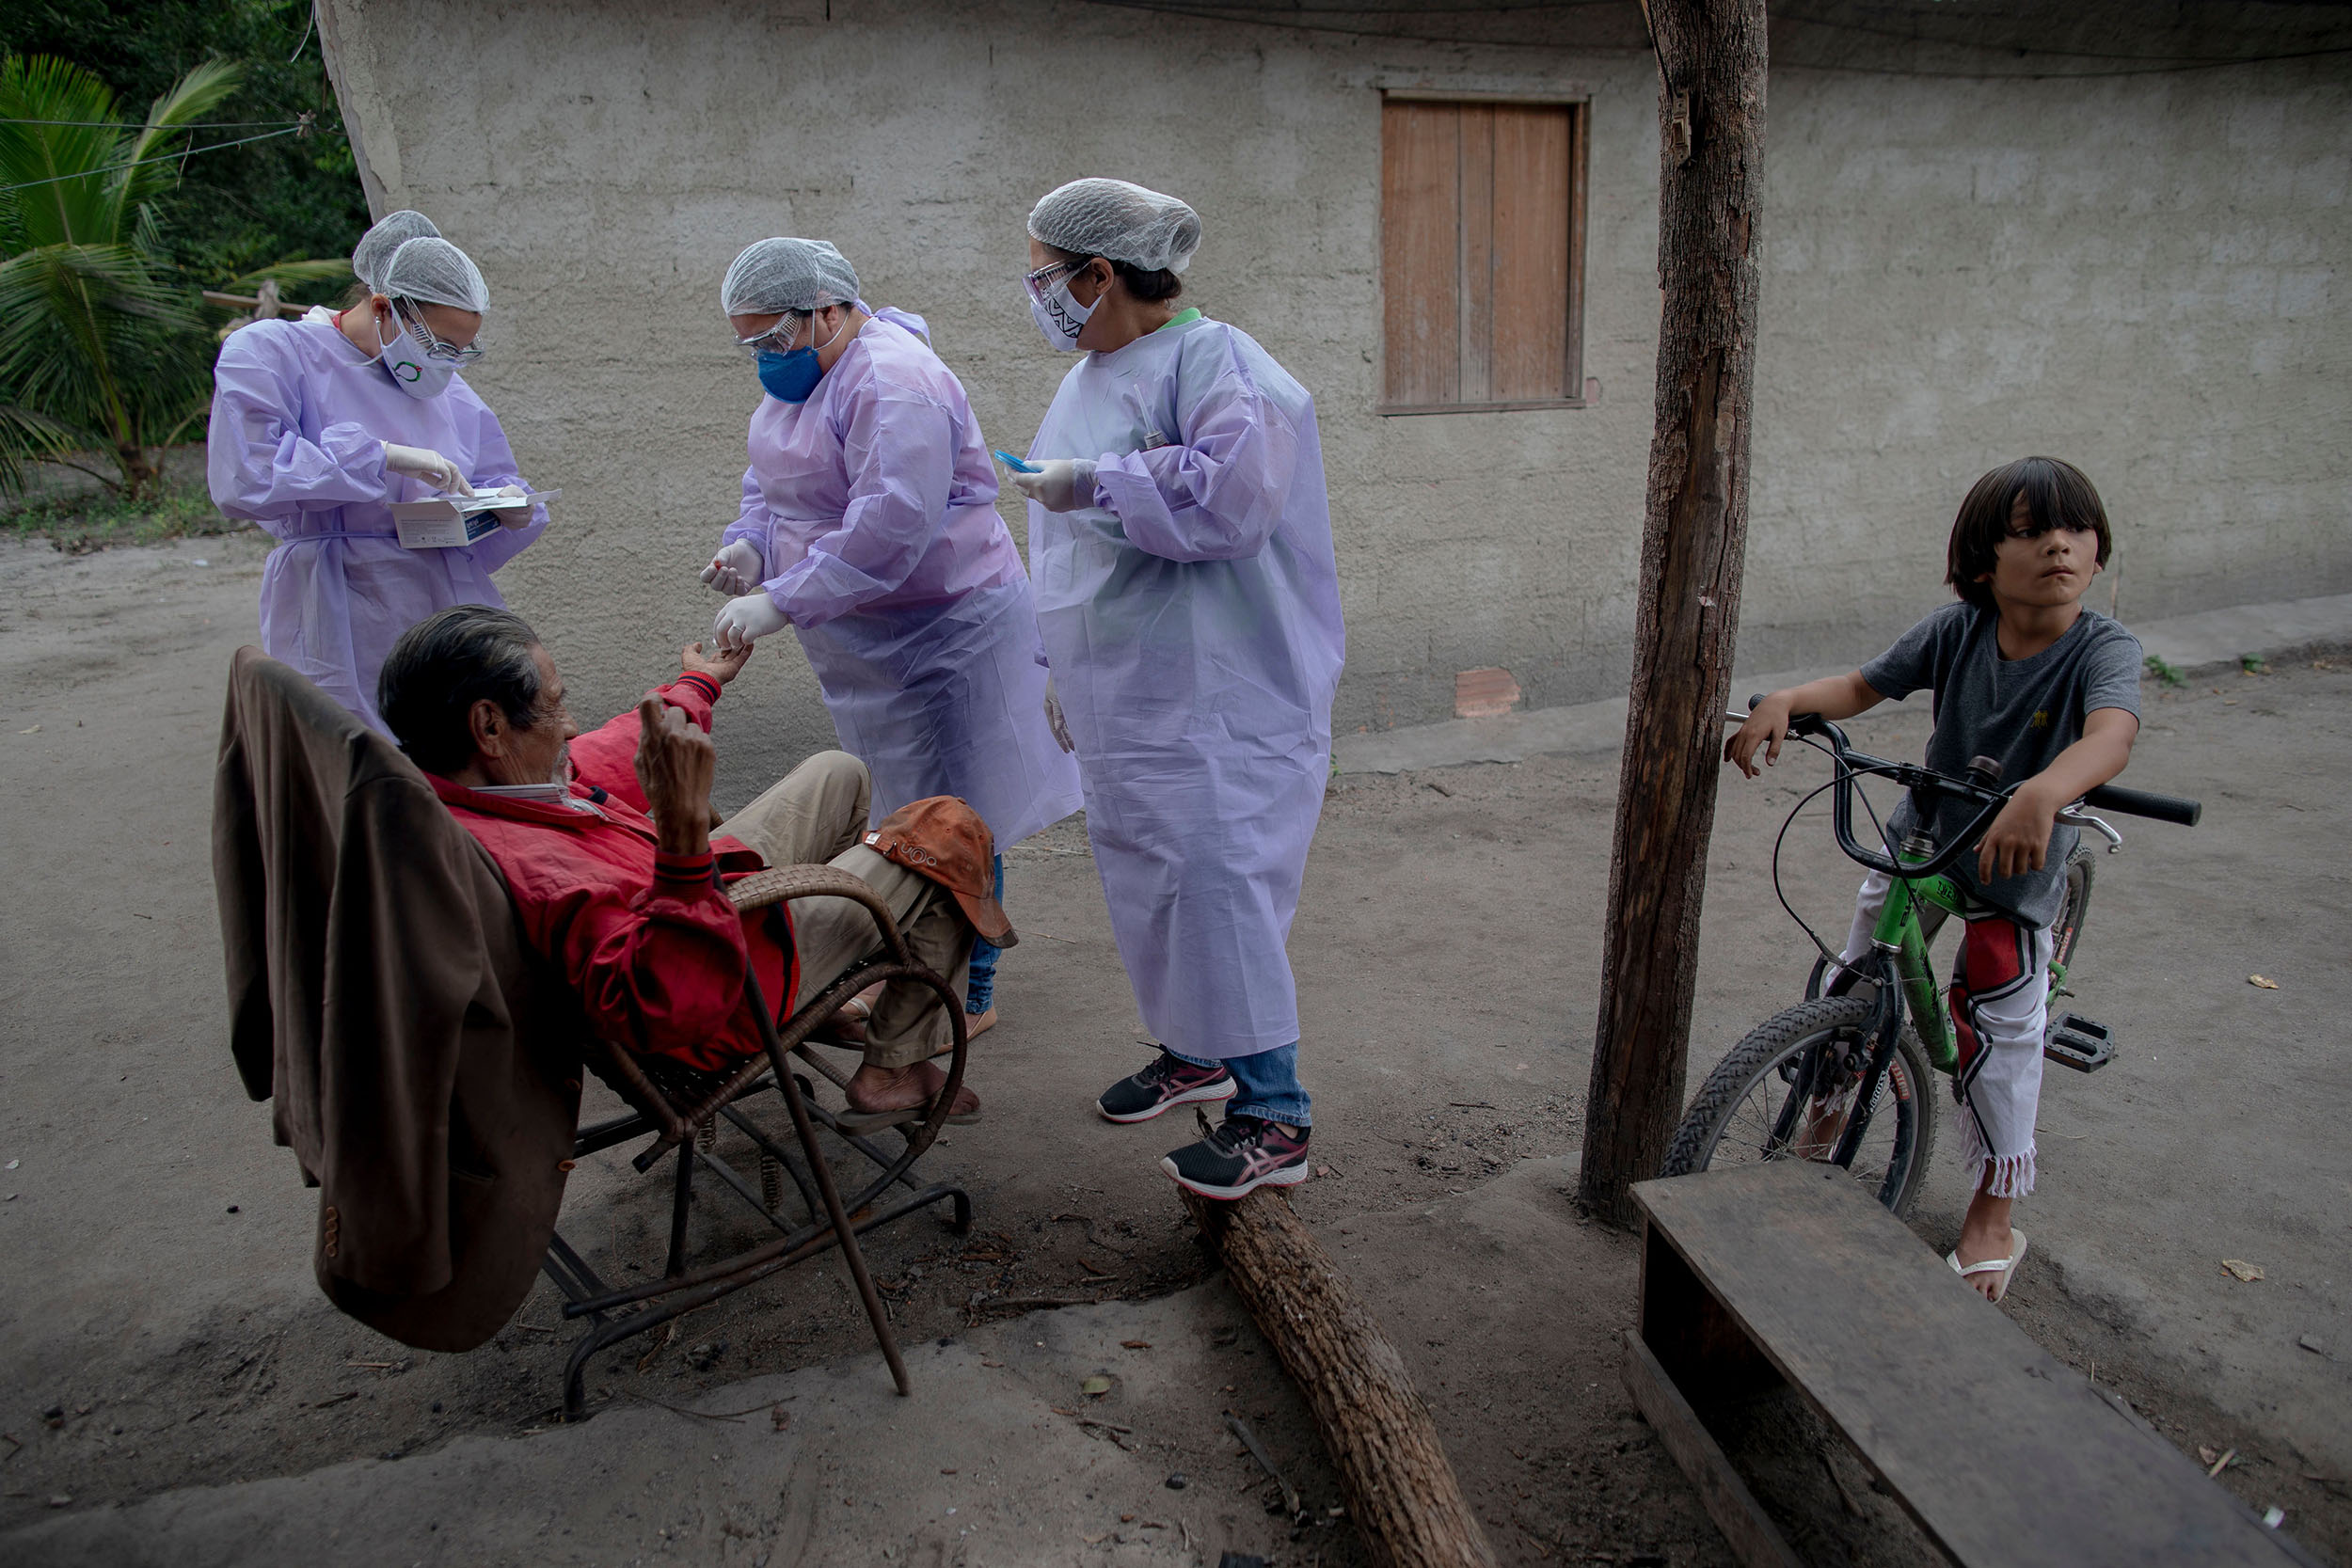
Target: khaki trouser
{"type": "Point", "coordinates": [817, 815]}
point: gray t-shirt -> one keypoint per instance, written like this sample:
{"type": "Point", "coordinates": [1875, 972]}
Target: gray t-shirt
{"type": "Point", "coordinates": [2020, 712]}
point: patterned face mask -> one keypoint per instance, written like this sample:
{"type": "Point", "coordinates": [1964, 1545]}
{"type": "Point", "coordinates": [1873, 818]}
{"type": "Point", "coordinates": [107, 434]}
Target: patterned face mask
{"type": "Point", "coordinates": [1057, 313]}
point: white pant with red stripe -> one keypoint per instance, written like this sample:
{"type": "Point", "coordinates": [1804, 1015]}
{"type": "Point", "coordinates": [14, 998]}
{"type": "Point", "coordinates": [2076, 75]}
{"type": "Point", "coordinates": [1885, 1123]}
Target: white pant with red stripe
{"type": "Point", "coordinates": [1999, 995]}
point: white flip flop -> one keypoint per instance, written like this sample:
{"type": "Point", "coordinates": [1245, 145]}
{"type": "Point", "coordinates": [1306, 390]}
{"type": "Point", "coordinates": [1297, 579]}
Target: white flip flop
{"type": "Point", "coordinates": [2006, 1266]}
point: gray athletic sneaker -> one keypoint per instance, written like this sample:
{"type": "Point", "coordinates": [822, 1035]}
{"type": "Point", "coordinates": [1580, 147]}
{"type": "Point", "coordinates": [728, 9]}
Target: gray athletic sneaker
{"type": "Point", "coordinates": [1239, 1155]}
{"type": "Point", "coordinates": [1168, 1082]}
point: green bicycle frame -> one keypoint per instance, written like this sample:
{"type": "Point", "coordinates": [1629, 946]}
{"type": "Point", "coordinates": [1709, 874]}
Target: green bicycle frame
{"type": "Point", "coordinates": [1899, 928]}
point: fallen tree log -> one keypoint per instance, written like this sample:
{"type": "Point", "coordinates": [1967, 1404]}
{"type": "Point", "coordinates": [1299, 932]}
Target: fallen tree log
{"type": "Point", "coordinates": [1400, 1488]}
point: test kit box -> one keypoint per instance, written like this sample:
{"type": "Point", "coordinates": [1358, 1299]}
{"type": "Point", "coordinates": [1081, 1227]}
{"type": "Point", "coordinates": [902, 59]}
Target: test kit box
{"type": "Point", "coordinates": [451, 522]}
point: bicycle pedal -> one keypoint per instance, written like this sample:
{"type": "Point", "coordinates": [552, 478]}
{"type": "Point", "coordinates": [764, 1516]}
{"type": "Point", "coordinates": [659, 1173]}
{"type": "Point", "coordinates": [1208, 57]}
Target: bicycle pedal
{"type": "Point", "coordinates": [2073, 1040]}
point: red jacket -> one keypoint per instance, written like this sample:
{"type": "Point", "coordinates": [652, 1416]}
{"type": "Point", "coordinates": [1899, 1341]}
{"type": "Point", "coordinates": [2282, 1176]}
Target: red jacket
{"type": "Point", "coordinates": [650, 945]}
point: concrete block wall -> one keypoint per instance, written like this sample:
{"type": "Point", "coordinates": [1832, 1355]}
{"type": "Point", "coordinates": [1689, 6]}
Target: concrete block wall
{"type": "Point", "coordinates": [2137, 274]}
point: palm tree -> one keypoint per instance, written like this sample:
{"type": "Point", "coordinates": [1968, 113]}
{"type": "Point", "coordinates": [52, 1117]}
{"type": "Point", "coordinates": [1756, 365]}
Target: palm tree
{"type": "Point", "coordinates": [100, 353]}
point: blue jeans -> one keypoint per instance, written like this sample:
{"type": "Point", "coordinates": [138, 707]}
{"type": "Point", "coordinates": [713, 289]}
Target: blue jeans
{"type": "Point", "coordinates": [1268, 1082]}
{"type": "Point", "coordinates": [980, 992]}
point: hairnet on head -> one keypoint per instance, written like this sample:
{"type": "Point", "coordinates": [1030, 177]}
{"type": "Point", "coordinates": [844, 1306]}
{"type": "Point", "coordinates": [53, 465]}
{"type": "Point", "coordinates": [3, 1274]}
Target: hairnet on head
{"type": "Point", "coordinates": [432, 271]}
{"type": "Point", "coordinates": [1120, 221]}
{"type": "Point", "coordinates": [775, 276]}
{"type": "Point", "coordinates": [376, 246]}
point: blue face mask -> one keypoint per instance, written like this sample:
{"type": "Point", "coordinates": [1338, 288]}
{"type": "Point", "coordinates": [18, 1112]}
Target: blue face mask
{"type": "Point", "coordinates": [790, 375]}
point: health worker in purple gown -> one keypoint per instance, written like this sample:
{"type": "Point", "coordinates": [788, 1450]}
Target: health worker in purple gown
{"type": "Point", "coordinates": [870, 527]}
{"type": "Point", "coordinates": [320, 424]}
{"type": "Point", "coordinates": [1181, 544]}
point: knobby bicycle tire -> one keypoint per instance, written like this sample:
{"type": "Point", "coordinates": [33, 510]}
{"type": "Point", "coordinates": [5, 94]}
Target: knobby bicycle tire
{"type": "Point", "coordinates": [2066, 935]}
{"type": "Point", "coordinates": [1904, 1118]}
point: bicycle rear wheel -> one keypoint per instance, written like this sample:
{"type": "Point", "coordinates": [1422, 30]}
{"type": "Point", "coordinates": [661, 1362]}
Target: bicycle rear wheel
{"type": "Point", "coordinates": [1788, 1090]}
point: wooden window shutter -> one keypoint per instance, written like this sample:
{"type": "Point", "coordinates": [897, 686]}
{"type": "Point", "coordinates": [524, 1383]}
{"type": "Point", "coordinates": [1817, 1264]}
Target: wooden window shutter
{"type": "Point", "coordinates": [1482, 209]}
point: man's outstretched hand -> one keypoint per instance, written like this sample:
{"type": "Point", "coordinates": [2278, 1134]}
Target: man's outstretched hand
{"type": "Point", "coordinates": [674, 763]}
{"type": "Point", "coordinates": [722, 666]}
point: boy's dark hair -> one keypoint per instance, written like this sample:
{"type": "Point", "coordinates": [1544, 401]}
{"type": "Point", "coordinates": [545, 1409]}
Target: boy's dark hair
{"type": "Point", "coordinates": [2058, 495]}
{"type": "Point", "coordinates": [1144, 284]}
{"type": "Point", "coordinates": [441, 667]}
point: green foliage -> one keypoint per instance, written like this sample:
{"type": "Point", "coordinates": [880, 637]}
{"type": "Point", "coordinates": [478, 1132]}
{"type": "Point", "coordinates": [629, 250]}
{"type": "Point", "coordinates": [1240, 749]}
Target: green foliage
{"type": "Point", "coordinates": [2254, 664]}
{"type": "Point", "coordinates": [244, 209]}
{"type": "Point", "coordinates": [95, 520]}
{"type": "Point", "coordinates": [2168, 673]}
{"type": "Point", "coordinates": [98, 340]}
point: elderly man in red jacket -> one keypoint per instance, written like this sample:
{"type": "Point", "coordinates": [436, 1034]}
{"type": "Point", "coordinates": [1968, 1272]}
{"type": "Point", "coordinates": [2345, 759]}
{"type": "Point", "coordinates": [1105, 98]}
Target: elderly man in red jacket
{"type": "Point", "coordinates": [608, 847]}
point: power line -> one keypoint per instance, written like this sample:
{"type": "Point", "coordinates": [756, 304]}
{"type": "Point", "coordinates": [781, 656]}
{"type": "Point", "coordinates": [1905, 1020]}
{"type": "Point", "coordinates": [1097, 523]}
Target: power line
{"type": "Point", "coordinates": [1209, 11]}
{"type": "Point", "coordinates": [2172, 61]}
{"type": "Point", "coordinates": [158, 158]}
{"type": "Point", "coordinates": [1234, 15]}
{"type": "Point", "coordinates": [2207, 64]}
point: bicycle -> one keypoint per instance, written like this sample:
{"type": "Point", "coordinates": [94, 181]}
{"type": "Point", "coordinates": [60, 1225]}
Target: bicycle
{"type": "Point", "coordinates": [1818, 1080]}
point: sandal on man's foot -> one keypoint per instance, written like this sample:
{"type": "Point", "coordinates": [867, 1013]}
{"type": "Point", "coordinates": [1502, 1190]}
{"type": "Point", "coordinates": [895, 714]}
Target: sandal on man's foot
{"type": "Point", "coordinates": [1241, 1155]}
{"type": "Point", "coordinates": [854, 1117]}
{"type": "Point", "coordinates": [2005, 1267]}
{"type": "Point", "coordinates": [1168, 1083]}
{"type": "Point", "coordinates": [976, 1024]}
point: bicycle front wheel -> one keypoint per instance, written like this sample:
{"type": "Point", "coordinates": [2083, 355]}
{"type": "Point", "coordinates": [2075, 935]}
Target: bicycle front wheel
{"type": "Point", "coordinates": [1788, 1090]}
{"type": "Point", "coordinates": [2075, 913]}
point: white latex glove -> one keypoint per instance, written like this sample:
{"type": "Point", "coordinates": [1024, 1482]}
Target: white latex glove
{"type": "Point", "coordinates": [735, 570]}
{"type": "Point", "coordinates": [512, 516]}
{"type": "Point", "coordinates": [1053, 720]}
{"type": "Point", "coordinates": [427, 465]}
{"type": "Point", "coordinates": [745, 620]}
{"type": "Point", "coordinates": [1060, 484]}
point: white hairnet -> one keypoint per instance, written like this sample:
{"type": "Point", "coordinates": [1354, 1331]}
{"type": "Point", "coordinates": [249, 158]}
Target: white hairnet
{"type": "Point", "coordinates": [778, 275]}
{"type": "Point", "coordinates": [376, 246]}
{"type": "Point", "coordinates": [1118, 221]}
{"type": "Point", "coordinates": [432, 271]}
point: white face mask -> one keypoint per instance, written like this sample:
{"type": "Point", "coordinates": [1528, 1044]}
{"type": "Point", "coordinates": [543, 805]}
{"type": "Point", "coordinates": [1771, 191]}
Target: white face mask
{"type": "Point", "coordinates": [1059, 316]}
{"type": "Point", "coordinates": [413, 371]}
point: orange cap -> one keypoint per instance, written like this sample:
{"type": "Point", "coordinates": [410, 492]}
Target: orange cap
{"type": "Point", "coordinates": [945, 840]}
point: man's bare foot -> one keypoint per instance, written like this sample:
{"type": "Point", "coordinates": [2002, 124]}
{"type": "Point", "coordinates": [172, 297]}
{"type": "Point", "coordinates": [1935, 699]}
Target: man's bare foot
{"type": "Point", "coordinates": [876, 1088]}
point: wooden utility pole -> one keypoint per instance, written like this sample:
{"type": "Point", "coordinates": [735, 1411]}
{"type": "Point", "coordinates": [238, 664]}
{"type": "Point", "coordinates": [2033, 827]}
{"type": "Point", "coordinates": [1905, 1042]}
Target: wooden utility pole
{"type": "Point", "coordinates": [1711, 116]}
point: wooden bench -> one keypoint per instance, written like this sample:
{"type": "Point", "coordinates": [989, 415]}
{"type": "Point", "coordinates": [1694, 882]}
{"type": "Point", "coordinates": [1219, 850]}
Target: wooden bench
{"type": "Point", "coordinates": [1789, 1274]}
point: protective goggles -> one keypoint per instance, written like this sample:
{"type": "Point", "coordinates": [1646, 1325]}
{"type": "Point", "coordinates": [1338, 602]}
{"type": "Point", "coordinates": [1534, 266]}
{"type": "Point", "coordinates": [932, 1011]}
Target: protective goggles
{"type": "Point", "coordinates": [434, 348]}
{"type": "Point", "coordinates": [777, 339]}
{"type": "Point", "coordinates": [1041, 280]}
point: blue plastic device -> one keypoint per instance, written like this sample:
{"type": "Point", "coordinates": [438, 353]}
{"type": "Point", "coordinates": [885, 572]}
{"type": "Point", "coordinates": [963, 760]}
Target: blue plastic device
{"type": "Point", "coordinates": [1018, 466]}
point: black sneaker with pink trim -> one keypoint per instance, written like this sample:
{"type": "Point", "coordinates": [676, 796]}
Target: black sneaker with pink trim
{"type": "Point", "coordinates": [1243, 1154]}
{"type": "Point", "coordinates": [1169, 1082]}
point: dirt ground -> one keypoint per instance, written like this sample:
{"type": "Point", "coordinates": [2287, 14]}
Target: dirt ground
{"type": "Point", "coordinates": [161, 1329]}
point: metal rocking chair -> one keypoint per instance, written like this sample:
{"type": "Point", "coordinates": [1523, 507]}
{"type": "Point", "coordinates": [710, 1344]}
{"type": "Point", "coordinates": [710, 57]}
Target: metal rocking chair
{"type": "Point", "coordinates": [681, 1106]}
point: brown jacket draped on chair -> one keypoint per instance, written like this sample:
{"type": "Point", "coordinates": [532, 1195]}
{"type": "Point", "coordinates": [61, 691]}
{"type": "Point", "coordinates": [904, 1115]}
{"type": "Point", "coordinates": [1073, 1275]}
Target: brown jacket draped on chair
{"type": "Point", "coordinates": [426, 1071]}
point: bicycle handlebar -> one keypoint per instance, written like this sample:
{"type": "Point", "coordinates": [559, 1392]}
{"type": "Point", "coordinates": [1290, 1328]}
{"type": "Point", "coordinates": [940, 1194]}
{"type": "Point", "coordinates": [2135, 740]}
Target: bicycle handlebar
{"type": "Point", "coordinates": [2139, 802]}
{"type": "Point", "coordinates": [1852, 764]}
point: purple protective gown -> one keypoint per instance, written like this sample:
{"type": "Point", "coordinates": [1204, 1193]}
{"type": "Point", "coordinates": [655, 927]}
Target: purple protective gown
{"type": "Point", "coordinates": [872, 505]}
{"type": "Point", "coordinates": [300, 419]}
{"type": "Point", "coordinates": [1193, 616]}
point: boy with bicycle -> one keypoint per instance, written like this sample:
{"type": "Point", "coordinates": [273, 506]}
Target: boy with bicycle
{"type": "Point", "coordinates": [2022, 674]}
